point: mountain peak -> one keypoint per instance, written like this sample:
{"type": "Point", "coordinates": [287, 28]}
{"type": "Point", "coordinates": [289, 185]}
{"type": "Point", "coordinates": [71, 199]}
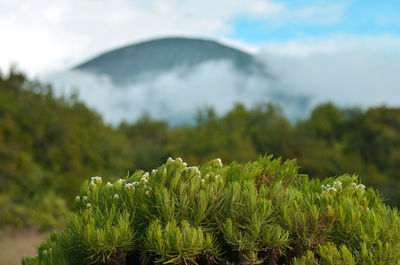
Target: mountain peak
{"type": "Point", "coordinates": [130, 63]}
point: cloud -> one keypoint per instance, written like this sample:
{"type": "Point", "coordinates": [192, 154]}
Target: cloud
{"type": "Point", "coordinates": [306, 46]}
{"type": "Point", "coordinates": [176, 95]}
{"type": "Point", "coordinates": [45, 35]}
{"type": "Point", "coordinates": [347, 70]}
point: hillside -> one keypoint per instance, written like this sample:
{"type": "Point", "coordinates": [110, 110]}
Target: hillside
{"type": "Point", "coordinates": [129, 63]}
{"type": "Point", "coordinates": [48, 145]}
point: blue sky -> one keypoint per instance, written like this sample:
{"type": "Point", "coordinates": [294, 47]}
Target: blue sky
{"type": "Point", "coordinates": [325, 18]}
{"type": "Point", "coordinates": [63, 33]}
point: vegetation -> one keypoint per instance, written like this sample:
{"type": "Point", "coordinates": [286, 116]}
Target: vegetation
{"type": "Point", "coordinates": [49, 145]}
{"type": "Point", "coordinates": [261, 212]}
{"type": "Point", "coordinates": [331, 142]}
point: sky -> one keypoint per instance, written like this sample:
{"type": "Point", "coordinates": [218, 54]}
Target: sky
{"type": "Point", "coordinates": [46, 35]}
{"type": "Point", "coordinates": [347, 52]}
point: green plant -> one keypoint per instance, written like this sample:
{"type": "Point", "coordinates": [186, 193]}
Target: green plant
{"type": "Point", "coordinates": [261, 212]}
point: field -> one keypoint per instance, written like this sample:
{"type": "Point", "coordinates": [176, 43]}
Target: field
{"type": "Point", "coordinates": [13, 246]}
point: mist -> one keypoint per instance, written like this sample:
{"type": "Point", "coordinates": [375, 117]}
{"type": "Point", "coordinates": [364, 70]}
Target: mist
{"type": "Point", "coordinates": [348, 78]}
{"type": "Point", "coordinates": [177, 95]}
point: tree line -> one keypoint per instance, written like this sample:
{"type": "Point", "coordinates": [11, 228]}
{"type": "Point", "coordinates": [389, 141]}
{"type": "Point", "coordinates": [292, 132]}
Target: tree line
{"type": "Point", "coordinates": [49, 144]}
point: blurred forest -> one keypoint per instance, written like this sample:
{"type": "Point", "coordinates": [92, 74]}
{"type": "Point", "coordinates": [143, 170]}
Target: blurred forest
{"type": "Point", "coordinates": [48, 145]}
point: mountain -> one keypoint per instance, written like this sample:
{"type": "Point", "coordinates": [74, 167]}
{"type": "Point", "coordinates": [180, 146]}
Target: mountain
{"type": "Point", "coordinates": [130, 63]}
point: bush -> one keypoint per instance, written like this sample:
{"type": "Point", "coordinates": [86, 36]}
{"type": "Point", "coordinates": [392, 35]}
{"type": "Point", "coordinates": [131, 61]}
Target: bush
{"type": "Point", "coordinates": [262, 212]}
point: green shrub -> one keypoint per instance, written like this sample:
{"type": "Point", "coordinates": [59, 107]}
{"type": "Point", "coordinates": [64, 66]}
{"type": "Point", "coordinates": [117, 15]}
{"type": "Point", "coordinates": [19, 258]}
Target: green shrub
{"type": "Point", "coordinates": [262, 212]}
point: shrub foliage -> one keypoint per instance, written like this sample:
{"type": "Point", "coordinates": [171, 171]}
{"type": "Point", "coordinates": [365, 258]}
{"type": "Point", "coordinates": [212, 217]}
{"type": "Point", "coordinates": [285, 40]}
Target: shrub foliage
{"type": "Point", "coordinates": [261, 212]}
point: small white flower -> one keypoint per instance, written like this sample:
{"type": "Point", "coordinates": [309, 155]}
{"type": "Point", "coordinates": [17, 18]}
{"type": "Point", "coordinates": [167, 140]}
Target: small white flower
{"type": "Point", "coordinates": [147, 192]}
{"type": "Point", "coordinates": [96, 178]}
{"type": "Point", "coordinates": [185, 164]}
{"type": "Point", "coordinates": [109, 184]}
{"type": "Point", "coordinates": [337, 183]}
{"type": "Point", "coordinates": [202, 180]}
{"type": "Point", "coordinates": [154, 171]}
{"type": "Point", "coordinates": [92, 184]}
{"type": "Point", "coordinates": [120, 181]}
{"type": "Point", "coordinates": [77, 199]}
{"type": "Point", "coordinates": [116, 196]}
{"type": "Point", "coordinates": [144, 179]}
{"type": "Point", "coordinates": [170, 159]}
{"type": "Point", "coordinates": [88, 205]}
{"type": "Point", "coordinates": [354, 185]}
{"type": "Point", "coordinates": [332, 189]}
{"type": "Point", "coordinates": [84, 198]}
{"type": "Point", "coordinates": [361, 186]}
{"type": "Point", "coordinates": [44, 252]}
{"type": "Point", "coordinates": [50, 249]}
{"type": "Point", "coordinates": [179, 160]}
{"type": "Point", "coordinates": [219, 162]}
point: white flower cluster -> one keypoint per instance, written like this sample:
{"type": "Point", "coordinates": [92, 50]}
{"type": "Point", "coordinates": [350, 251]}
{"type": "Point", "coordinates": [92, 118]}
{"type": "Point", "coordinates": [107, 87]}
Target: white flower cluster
{"type": "Point", "coordinates": [78, 198]}
{"type": "Point", "coordinates": [95, 180]}
{"type": "Point", "coordinates": [219, 162]}
{"type": "Point", "coordinates": [109, 184]}
{"type": "Point", "coordinates": [116, 196]}
{"type": "Point", "coordinates": [358, 187]}
{"type": "Point", "coordinates": [131, 185]}
{"type": "Point", "coordinates": [198, 173]}
{"type": "Point", "coordinates": [45, 252]}
{"type": "Point", "coordinates": [196, 169]}
{"type": "Point", "coordinates": [337, 186]}
{"type": "Point", "coordinates": [145, 177]}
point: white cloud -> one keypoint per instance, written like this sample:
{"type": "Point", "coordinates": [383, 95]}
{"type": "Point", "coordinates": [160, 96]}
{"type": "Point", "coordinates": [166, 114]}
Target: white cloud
{"type": "Point", "coordinates": [175, 96]}
{"type": "Point", "coordinates": [347, 70]}
{"type": "Point", "coordinates": [303, 47]}
{"type": "Point", "coordinates": [45, 35]}
{"type": "Point", "coordinates": [53, 14]}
